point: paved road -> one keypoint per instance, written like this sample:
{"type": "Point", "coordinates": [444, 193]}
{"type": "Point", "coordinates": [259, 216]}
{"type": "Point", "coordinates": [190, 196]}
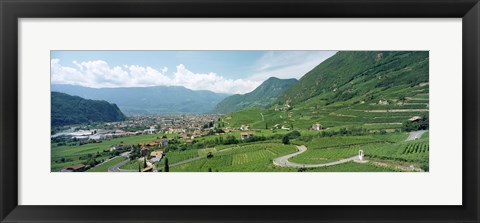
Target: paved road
{"type": "Point", "coordinates": [283, 160]}
{"type": "Point", "coordinates": [116, 167]}
{"type": "Point", "coordinates": [415, 135]}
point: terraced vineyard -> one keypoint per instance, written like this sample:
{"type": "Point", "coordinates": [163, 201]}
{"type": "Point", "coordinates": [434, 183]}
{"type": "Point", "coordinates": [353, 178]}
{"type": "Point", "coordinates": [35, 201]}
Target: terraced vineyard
{"type": "Point", "coordinates": [388, 146]}
{"type": "Point", "coordinates": [253, 158]}
{"type": "Point", "coordinates": [414, 151]}
{"type": "Point", "coordinates": [352, 167]}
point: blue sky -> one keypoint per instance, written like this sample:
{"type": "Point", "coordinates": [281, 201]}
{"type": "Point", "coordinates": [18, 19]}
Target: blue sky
{"type": "Point", "coordinates": [219, 71]}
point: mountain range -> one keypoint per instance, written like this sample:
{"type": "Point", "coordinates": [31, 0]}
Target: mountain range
{"type": "Point", "coordinates": [149, 100]}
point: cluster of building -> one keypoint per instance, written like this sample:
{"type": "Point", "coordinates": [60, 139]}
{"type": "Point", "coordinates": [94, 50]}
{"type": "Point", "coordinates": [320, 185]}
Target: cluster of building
{"type": "Point", "coordinates": [138, 125]}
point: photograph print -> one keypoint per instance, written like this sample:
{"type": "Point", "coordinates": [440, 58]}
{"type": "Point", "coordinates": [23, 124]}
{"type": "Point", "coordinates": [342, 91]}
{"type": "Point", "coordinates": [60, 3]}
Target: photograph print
{"type": "Point", "coordinates": [239, 111]}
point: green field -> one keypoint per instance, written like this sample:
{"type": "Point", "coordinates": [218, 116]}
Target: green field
{"type": "Point", "coordinates": [132, 165]}
{"type": "Point", "coordinates": [78, 154]}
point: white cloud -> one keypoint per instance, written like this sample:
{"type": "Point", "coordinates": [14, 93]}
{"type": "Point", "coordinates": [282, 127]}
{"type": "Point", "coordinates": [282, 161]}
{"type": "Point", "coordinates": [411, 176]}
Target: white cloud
{"type": "Point", "coordinates": [288, 64]}
{"type": "Point", "coordinates": [99, 74]}
{"type": "Point", "coordinates": [165, 70]}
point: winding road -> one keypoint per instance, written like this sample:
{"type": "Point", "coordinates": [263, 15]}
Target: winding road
{"type": "Point", "coordinates": [280, 161]}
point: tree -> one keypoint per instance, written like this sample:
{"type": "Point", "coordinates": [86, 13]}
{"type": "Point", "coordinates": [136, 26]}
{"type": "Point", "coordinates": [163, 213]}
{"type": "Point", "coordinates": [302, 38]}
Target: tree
{"type": "Point", "coordinates": [209, 169]}
{"type": "Point", "coordinates": [139, 168]}
{"type": "Point", "coordinates": [167, 168]}
{"type": "Point", "coordinates": [144, 162]}
{"type": "Point", "coordinates": [285, 140]}
{"type": "Point", "coordinates": [266, 125]}
{"type": "Point", "coordinates": [231, 140]}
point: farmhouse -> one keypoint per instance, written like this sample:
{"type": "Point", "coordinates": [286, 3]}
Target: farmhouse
{"type": "Point", "coordinates": [186, 136]}
{"type": "Point", "coordinates": [415, 118]}
{"type": "Point", "coordinates": [116, 147]}
{"type": "Point", "coordinates": [290, 114]}
{"type": "Point", "coordinates": [244, 127]}
{"type": "Point", "coordinates": [149, 131]}
{"type": "Point", "coordinates": [316, 127]}
{"type": "Point", "coordinates": [162, 141]}
{"type": "Point", "coordinates": [152, 144]}
{"type": "Point", "coordinates": [157, 153]}
{"type": "Point", "coordinates": [74, 168]}
{"type": "Point", "coordinates": [383, 102]}
{"type": "Point", "coordinates": [246, 135]}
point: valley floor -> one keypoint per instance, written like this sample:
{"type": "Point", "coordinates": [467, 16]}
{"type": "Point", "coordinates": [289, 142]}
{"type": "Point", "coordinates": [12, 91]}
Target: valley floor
{"type": "Point", "coordinates": [400, 151]}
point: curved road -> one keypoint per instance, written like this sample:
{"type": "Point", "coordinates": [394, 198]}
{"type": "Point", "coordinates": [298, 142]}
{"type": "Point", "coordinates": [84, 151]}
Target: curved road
{"type": "Point", "coordinates": [116, 167]}
{"type": "Point", "coordinates": [283, 160]}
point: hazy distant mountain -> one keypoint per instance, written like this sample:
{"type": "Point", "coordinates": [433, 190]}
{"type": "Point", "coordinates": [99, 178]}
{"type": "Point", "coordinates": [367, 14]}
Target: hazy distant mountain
{"type": "Point", "coordinates": [68, 110]}
{"type": "Point", "coordinates": [149, 100]}
{"type": "Point", "coordinates": [261, 97]}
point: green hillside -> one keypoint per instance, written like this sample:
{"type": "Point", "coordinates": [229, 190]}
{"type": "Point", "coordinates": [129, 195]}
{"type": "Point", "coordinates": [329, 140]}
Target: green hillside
{"type": "Point", "coordinates": [262, 96]}
{"type": "Point", "coordinates": [68, 110]}
{"type": "Point", "coordinates": [349, 74]}
{"type": "Point", "coordinates": [369, 90]}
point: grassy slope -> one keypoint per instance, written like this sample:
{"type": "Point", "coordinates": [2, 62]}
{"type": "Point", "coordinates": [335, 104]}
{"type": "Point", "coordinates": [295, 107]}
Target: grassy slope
{"type": "Point", "coordinates": [250, 158]}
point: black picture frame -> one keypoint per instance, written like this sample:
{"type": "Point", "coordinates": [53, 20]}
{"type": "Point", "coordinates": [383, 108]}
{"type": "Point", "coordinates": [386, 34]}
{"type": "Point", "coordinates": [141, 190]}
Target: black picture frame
{"type": "Point", "coordinates": [12, 10]}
